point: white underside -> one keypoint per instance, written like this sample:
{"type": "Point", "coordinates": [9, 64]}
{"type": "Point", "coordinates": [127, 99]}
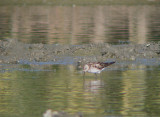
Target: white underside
{"type": "Point", "coordinates": [95, 70]}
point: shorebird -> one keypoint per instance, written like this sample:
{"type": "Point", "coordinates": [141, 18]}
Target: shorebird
{"type": "Point", "coordinates": [96, 67]}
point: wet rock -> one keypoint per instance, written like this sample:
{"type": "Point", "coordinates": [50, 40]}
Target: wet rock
{"type": "Point", "coordinates": [50, 113]}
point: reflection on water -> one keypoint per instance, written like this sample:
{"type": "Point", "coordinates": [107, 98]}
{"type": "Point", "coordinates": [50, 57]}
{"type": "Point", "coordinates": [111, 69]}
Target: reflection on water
{"type": "Point", "coordinates": [93, 86]}
{"type": "Point", "coordinates": [134, 84]}
{"type": "Point", "coordinates": [80, 24]}
{"type": "Point", "coordinates": [29, 93]}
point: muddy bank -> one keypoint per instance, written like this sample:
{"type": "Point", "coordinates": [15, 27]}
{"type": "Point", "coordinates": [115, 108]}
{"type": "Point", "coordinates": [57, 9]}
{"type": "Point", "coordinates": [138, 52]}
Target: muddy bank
{"type": "Point", "coordinates": [13, 51]}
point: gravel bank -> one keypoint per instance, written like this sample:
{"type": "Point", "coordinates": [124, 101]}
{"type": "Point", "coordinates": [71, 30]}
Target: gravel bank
{"type": "Point", "coordinates": [13, 51]}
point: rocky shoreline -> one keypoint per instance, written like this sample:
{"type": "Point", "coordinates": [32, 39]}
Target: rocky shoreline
{"type": "Point", "coordinates": [13, 52]}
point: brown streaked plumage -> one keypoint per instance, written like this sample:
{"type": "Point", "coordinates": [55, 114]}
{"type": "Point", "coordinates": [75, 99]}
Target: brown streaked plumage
{"type": "Point", "coordinates": [96, 67]}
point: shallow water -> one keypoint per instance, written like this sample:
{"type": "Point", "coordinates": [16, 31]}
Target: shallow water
{"type": "Point", "coordinates": [80, 24]}
{"type": "Point", "coordinates": [122, 89]}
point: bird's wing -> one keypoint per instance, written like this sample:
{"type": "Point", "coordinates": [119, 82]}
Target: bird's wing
{"type": "Point", "coordinates": [108, 63]}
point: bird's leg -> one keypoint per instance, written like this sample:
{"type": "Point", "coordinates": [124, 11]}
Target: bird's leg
{"type": "Point", "coordinates": [100, 76]}
{"type": "Point", "coordinates": [95, 76]}
{"type": "Point", "coordinates": [84, 80]}
{"type": "Point", "coordinates": [83, 74]}
{"type": "Point", "coordinates": [101, 80]}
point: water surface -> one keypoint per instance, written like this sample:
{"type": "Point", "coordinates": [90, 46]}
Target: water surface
{"type": "Point", "coordinates": [29, 90]}
{"type": "Point", "coordinates": [80, 24]}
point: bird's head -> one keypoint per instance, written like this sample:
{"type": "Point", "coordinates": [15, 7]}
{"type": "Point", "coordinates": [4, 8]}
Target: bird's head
{"type": "Point", "coordinates": [85, 68]}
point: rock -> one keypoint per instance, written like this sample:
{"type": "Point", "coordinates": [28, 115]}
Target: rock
{"type": "Point", "coordinates": [50, 113]}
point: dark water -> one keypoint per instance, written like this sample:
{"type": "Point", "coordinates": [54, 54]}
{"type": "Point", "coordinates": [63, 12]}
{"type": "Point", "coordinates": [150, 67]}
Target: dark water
{"type": "Point", "coordinates": [29, 90]}
{"type": "Point", "coordinates": [80, 24]}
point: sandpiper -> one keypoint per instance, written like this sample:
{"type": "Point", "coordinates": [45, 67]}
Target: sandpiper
{"type": "Point", "coordinates": [96, 67]}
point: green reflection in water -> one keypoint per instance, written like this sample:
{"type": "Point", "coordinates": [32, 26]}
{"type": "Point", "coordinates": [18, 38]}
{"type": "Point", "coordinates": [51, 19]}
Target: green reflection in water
{"type": "Point", "coordinates": [132, 92]}
{"type": "Point", "coordinates": [152, 105]}
{"type": "Point", "coordinates": [77, 2]}
{"type": "Point", "coordinates": [25, 93]}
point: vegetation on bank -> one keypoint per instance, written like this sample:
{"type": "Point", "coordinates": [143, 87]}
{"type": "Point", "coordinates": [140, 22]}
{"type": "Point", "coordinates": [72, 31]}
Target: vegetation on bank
{"type": "Point", "coordinates": [79, 2]}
